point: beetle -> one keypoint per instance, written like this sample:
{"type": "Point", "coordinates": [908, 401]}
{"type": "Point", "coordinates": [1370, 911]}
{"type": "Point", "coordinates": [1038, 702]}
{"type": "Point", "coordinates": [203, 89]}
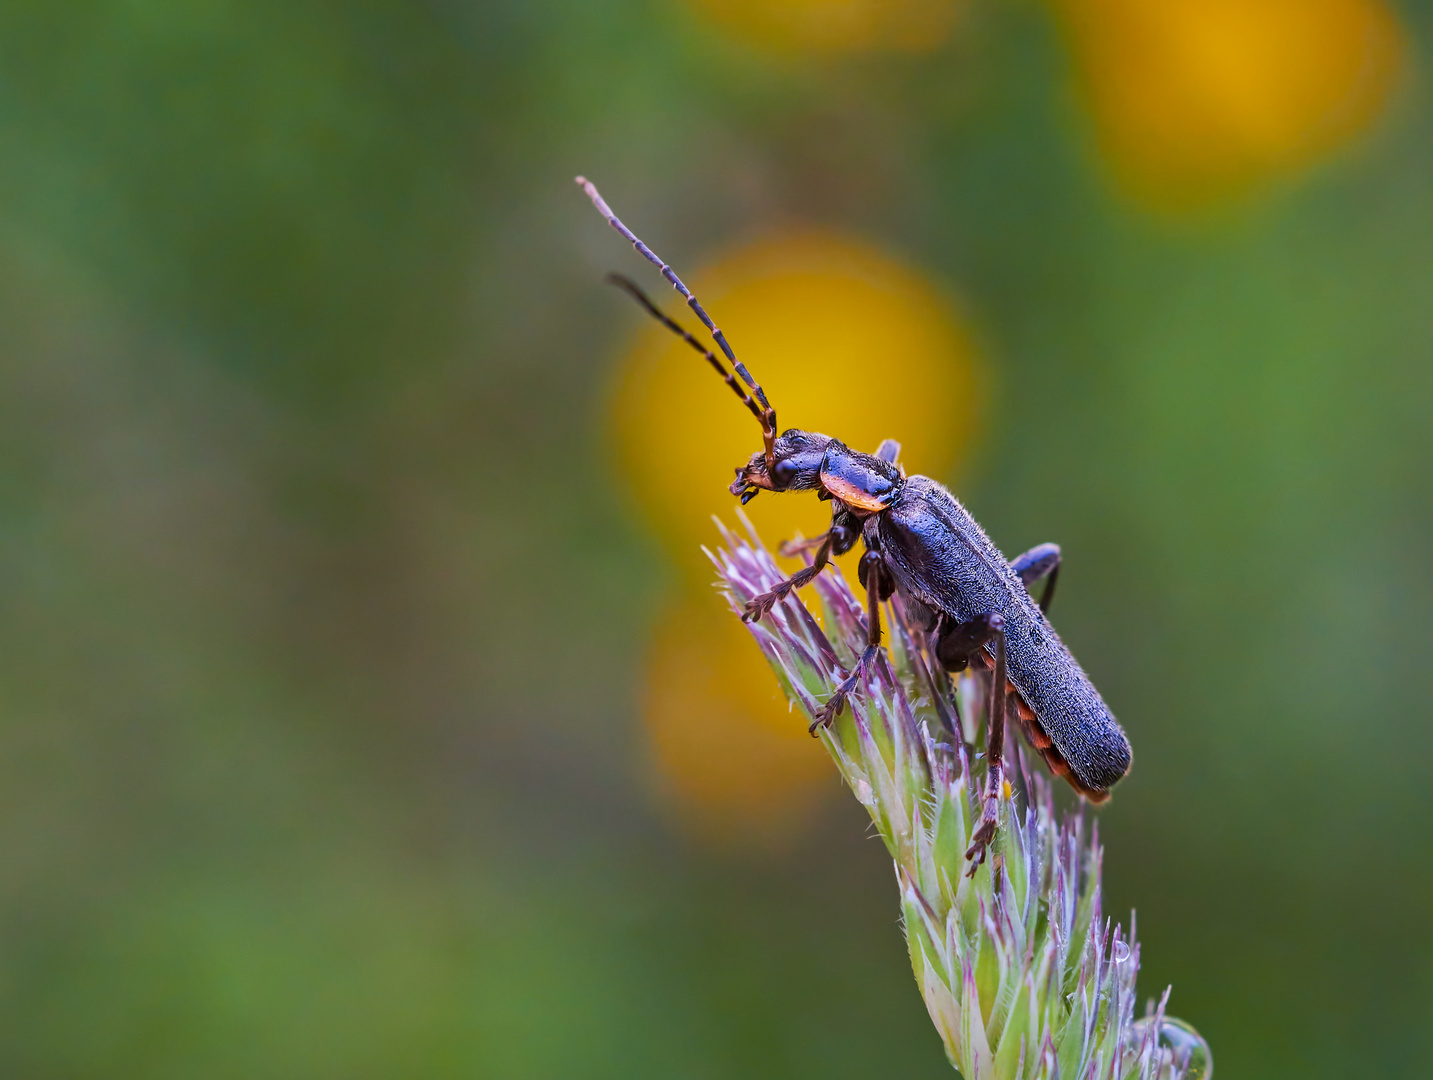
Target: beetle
{"type": "Point", "coordinates": [923, 545]}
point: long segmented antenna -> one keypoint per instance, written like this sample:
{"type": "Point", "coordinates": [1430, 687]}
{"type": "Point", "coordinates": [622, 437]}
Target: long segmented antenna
{"type": "Point", "coordinates": [768, 415]}
{"type": "Point", "coordinates": [632, 289]}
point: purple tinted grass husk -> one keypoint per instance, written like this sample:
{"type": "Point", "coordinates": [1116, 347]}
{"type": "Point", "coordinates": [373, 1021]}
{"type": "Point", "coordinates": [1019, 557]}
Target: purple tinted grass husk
{"type": "Point", "coordinates": [1022, 974]}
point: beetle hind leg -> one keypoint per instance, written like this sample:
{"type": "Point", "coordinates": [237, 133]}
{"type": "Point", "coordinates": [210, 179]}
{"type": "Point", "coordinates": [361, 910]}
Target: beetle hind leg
{"type": "Point", "coordinates": [1041, 562]}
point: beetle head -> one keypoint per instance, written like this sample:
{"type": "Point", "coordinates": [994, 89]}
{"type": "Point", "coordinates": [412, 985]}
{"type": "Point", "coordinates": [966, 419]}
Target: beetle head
{"type": "Point", "coordinates": [796, 465]}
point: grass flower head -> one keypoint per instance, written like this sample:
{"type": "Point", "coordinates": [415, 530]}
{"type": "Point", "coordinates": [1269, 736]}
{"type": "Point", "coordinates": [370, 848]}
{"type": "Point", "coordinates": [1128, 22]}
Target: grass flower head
{"type": "Point", "coordinates": [1023, 975]}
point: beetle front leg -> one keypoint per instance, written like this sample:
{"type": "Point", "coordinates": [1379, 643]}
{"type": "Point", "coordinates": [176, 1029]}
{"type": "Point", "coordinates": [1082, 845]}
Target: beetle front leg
{"type": "Point", "coordinates": [872, 571]}
{"type": "Point", "coordinates": [837, 540]}
{"type": "Point", "coordinates": [789, 549]}
{"type": "Point", "coordinates": [761, 605]}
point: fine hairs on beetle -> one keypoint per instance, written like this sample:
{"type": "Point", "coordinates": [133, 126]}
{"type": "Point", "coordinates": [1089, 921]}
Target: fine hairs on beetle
{"type": "Point", "coordinates": [921, 543]}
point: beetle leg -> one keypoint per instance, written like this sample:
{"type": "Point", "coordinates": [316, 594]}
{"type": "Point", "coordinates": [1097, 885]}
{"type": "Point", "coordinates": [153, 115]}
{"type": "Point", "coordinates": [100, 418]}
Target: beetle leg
{"type": "Point", "coordinates": [994, 751]}
{"type": "Point", "coordinates": [760, 605]}
{"type": "Point", "coordinates": [873, 569]}
{"type": "Point", "coordinates": [789, 549]}
{"type": "Point", "coordinates": [1041, 561]}
{"type": "Point", "coordinates": [957, 643]}
{"type": "Point", "coordinates": [845, 530]}
{"type": "Point", "coordinates": [837, 540]}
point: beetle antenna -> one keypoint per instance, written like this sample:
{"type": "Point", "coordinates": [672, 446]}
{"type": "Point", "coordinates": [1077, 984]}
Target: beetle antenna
{"type": "Point", "coordinates": [631, 288]}
{"type": "Point", "coordinates": [768, 414]}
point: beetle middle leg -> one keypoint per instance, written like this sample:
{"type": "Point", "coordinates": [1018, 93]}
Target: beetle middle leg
{"type": "Point", "coordinates": [955, 644]}
{"type": "Point", "coordinates": [872, 572]}
{"type": "Point", "coordinates": [994, 750]}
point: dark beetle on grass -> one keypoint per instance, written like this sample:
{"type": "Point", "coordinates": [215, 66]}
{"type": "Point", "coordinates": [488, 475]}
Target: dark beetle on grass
{"type": "Point", "coordinates": [923, 544]}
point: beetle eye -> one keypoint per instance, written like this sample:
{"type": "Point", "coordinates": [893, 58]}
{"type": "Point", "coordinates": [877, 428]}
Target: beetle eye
{"type": "Point", "coordinates": [783, 472]}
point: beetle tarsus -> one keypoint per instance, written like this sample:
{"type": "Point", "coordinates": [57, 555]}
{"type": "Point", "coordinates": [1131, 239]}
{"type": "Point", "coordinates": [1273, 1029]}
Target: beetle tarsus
{"type": "Point", "coordinates": [759, 606]}
{"type": "Point", "coordinates": [828, 713]}
{"type": "Point", "coordinates": [762, 604]}
{"type": "Point", "coordinates": [833, 707]}
{"type": "Point", "coordinates": [989, 819]}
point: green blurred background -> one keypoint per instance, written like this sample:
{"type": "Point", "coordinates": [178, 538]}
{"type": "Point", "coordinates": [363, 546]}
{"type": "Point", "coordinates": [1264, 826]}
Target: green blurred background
{"type": "Point", "coordinates": [323, 610]}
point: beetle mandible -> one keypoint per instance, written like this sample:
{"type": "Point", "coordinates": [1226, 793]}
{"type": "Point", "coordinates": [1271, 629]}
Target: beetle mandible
{"type": "Point", "coordinates": [921, 543]}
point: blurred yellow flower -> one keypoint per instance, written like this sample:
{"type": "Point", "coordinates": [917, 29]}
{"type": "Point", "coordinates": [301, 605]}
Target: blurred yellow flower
{"type": "Point", "coordinates": [836, 26]}
{"type": "Point", "coordinates": [845, 340]}
{"type": "Point", "coordinates": [1197, 100]}
{"type": "Point", "coordinates": [727, 750]}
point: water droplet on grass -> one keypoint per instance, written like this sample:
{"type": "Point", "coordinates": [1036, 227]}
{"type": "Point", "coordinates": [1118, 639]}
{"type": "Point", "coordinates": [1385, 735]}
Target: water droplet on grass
{"type": "Point", "coordinates": [1186, 1046]}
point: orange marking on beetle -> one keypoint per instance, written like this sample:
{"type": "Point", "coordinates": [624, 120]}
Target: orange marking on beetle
{"type": "Point", "coordinates": [1013, 695]}
{"type": "Point", "coordinates": [1038, 738]}
{"type": "Point", "coordinates": [851, 495]}
{"type": "Point", "coordinates": [1060, 767]}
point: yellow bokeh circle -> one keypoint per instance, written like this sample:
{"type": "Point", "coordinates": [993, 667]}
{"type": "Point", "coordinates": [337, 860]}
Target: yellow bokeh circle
{"type": "Point", "coordinates": [728, 751]}
{"type": "Point", "coordinates": [836, 26]}
{"type": "Point", "coordinates": [845, 340]}
{"type": "Point", "coordinates": [1196, 100]}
